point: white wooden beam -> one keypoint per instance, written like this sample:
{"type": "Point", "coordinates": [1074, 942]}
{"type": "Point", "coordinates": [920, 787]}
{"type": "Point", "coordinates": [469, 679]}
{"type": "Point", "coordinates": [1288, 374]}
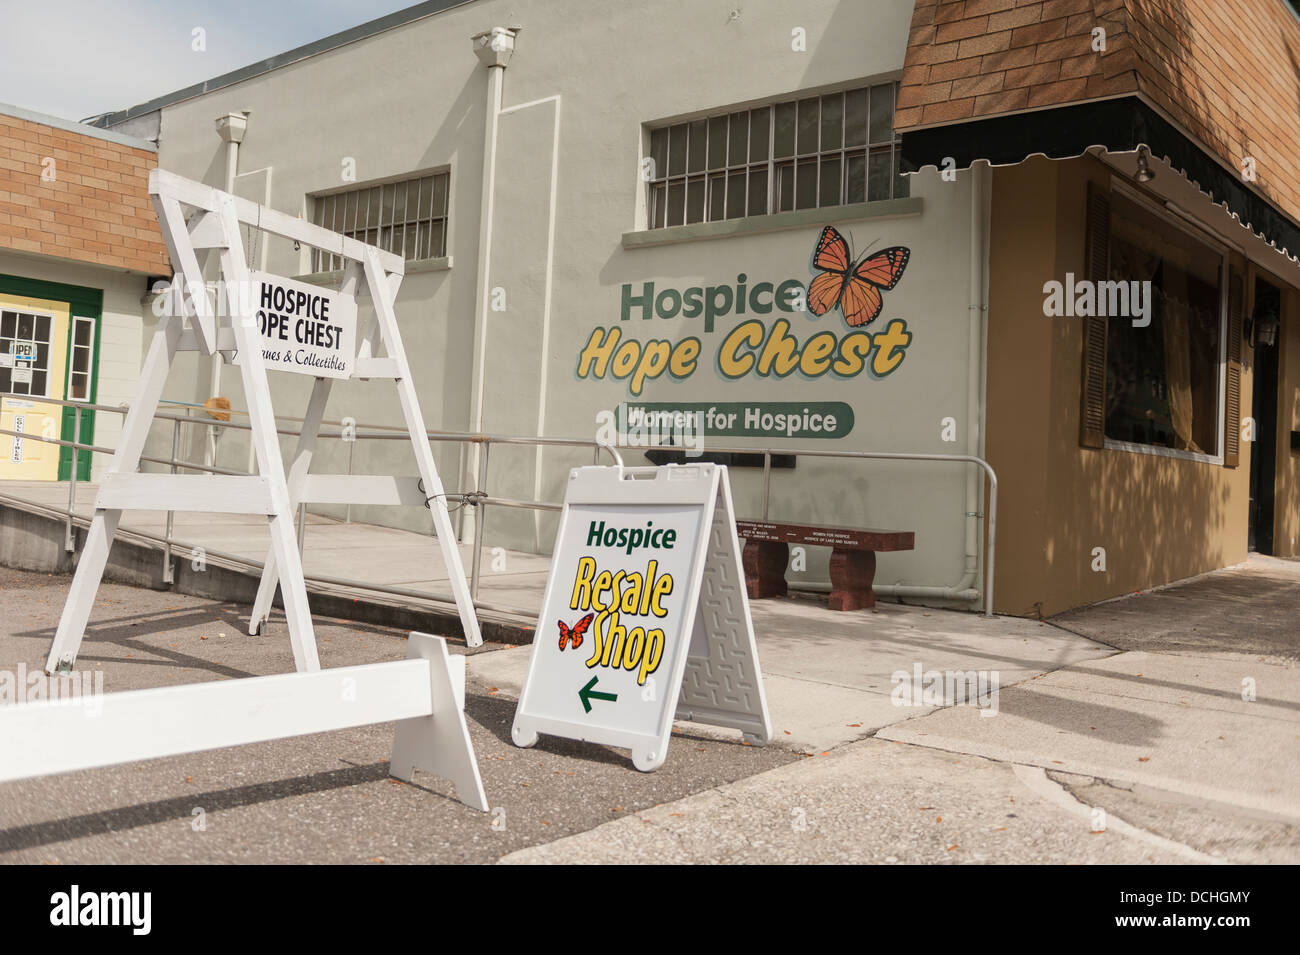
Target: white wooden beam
{"type": "Point", "coordinates": [270, 464]}
{"type": "Point", "coordinates": [383, 489]}
{"type": "Point", "coordinates": [425, 693]}
{"type": "Point", "coordinates": [383, 291]}
{"type": "Point", "coordinates": [188, 271]}
{"type": "Point", "coordinates": [375, 368]}
{"type": "Point", "coordinates": [103, 526]}
{"type": "Point", "coordinates": [205, 231]}
{"type": "Point", "coordinates": [191, 341]}
{"type": "Point", "coordinates": [216, 493]}
{"type": "Point", "coordinates": [306, 449]}
{"type": "Point", "coordinates": [56, 736]}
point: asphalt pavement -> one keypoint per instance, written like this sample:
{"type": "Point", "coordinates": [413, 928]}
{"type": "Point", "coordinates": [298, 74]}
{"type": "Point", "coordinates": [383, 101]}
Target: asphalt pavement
{"type": "Point", "coordinates": [311, 799]}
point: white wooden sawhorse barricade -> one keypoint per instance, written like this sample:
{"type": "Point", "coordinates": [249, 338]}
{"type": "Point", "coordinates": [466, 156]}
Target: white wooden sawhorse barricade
{"type": "Point", "coordinates": [214, 229]}
{"type": "Point", "coordinates": [426, 692]}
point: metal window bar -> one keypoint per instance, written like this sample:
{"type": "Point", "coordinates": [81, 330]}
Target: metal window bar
{"type": "Point", "coordinates": [817, 184]}
{"type": "Point", "coordinates": [771, 160]}
{"type": "Point", "coordinates": [686, 198]}
{"type": "Point", "coordinates": [334, 218]}
{"type": "Point", "coordinates": [353, 203]}
{"type": "Point", "coordinates": [793, 161]}
{"type": "Point", "coordinates": [746, 168]}
{"type": "Point", "coordinates": [370, 193]}
{"type": "Point", "coordinates": [726, 168]}
{"type": "Point", "coordinates": [419, 196]}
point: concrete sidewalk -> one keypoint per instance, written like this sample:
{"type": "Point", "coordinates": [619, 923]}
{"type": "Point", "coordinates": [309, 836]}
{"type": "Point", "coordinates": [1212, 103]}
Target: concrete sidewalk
{"type": "Point", "coordinates": [871, 802]}
{"type": "Point", "coordinates": [1185, 752]}
{"type": "Point", "coordinates": [1250, 608]}
{"type": "Point", "coordinates": [1176, 723]}
{"type": "Point", "coordinates": [828, 675]}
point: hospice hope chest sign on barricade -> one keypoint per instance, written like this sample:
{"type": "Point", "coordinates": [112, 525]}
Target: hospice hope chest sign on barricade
{"type": "Point", "coordinates": [645, 617]}
{"type": "Point", "coordinates": [305, 328]}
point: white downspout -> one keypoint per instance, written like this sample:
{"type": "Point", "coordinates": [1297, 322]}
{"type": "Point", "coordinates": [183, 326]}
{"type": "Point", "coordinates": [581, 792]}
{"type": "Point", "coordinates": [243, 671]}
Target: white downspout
{"type": "Point", "coordinates": [542, 364]}
{"type": "Point", "coordinates": [493, 48]}
{"type": "Point", "coordinates": [231, 128]}
{"type": "Point", "coordinates": [968, 587]}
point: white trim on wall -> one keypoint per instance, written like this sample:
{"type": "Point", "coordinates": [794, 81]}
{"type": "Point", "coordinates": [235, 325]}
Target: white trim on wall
{"type": "Point", "coordinates": [90, 364]}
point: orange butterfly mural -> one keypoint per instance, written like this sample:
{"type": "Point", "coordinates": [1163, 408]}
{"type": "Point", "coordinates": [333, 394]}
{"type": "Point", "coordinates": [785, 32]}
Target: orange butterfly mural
{"type": "Point", "coordinates": [855, 288]}
{"type": "Point", "coordinates": [575, 632]}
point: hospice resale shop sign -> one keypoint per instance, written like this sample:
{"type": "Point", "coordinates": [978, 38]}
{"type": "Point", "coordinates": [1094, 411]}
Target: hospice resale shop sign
{"type": "Point", "coordinates": [621, 622]}
{"type": "Point", "coordinates": [305, 329]}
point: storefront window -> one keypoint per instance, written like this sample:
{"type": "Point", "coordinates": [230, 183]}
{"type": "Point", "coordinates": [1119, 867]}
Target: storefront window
{"type": "Point", "coordinates": [25, 352]}
{"type": "Point", "coordinates": [1164, 379]}
{"type": "Point", "coordinates": [811, 153]}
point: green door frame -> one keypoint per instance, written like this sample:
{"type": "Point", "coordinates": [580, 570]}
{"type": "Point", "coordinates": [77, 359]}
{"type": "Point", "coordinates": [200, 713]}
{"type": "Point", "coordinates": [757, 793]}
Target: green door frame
{"type": "Point", "coordinates": [82, 303]}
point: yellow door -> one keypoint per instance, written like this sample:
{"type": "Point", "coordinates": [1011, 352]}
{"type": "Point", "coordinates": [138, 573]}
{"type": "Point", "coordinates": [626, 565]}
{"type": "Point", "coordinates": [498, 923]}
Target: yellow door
{"type": "Point", "coordinates": [33, 365]}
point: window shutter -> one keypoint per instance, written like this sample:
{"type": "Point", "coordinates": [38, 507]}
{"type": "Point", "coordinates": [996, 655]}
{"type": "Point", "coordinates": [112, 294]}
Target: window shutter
{"type": "Point", "coordinates": [1092, 417]}
{"type": "Point", "coordinates": [1232, 419]}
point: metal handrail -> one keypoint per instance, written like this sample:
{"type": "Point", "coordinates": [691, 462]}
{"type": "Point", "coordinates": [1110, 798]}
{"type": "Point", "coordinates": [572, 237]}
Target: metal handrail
{"type": "Point", "coordinates": [437, 597]}
{"type": "Point", "coordinates": [479, 497]}
{"type": "Point", "coordinates": [990, 547]}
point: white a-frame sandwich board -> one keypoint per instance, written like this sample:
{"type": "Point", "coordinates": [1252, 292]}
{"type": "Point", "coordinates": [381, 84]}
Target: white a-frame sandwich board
{"type": "Point", "coordinates": [236, 332]}
{"type": "Point", "coordinates": [645, 618]}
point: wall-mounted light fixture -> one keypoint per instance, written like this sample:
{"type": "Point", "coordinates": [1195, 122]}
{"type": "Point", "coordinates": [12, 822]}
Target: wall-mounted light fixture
{"type": "Point", "coordinates": [1266, 326]}
{"type": "Point", "coordinates": [1144, 173]}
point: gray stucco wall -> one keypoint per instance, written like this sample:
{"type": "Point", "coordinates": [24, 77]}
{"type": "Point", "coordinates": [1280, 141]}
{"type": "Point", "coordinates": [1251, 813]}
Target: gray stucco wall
{"type": "Point", "coordinates": [413, 99]}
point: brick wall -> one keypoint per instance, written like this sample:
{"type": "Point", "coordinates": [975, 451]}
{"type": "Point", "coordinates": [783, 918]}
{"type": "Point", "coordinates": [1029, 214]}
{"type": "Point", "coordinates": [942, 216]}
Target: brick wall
{"type": "Point", "coordinates": [1227, 71]}
{"type": "Point", "coordinates": [96, 207]}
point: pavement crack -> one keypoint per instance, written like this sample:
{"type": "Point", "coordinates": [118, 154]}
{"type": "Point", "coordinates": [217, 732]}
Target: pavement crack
{"type": "Point", "coordinates": [1037, 781]}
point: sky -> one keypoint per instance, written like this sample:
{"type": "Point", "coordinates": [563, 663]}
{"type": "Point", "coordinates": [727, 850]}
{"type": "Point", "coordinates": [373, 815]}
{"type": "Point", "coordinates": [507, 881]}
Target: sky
{"type": "Point", "coordinates": [79, 58]}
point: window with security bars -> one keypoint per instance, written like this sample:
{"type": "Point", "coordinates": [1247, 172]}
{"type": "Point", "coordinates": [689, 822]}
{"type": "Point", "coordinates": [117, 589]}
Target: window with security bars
{"type": "Point", "coordinates": [407, 218]}
{"type": "Point", "coordinates": [819, 151]}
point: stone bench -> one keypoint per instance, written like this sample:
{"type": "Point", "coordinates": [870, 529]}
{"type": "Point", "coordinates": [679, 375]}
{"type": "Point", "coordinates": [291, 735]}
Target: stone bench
{"type": "Point", "coordinates": [853, 558]}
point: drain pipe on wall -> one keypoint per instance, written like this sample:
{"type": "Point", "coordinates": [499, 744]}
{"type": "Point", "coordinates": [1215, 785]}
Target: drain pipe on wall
{"type": "Point", "coordinates": [968, 587]}
{"type": "Point", "coordinates": [493, 48]}
{"type": "Point", "coordinates": [545, 349]}
{"type": "Point", "coordinates": [231, 128]}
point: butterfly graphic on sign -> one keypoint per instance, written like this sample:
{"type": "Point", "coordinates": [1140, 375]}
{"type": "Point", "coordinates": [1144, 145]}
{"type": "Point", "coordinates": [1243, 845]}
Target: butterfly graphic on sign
{"type": "Point", "coordinates": [855, 287]}
{"type": "Point", "coordinates": [575, 632]}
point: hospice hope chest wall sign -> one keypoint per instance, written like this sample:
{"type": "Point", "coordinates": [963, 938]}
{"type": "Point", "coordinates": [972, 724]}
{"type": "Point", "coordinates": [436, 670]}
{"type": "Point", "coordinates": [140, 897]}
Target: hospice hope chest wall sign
{"type": "Point", "coordinates": [645, 617]}
{"type": "Point", "coordinates": [839, 326]}
{"type": "Point", "coordinates": [305, 328]}
{"type": "Point", "coordinates": [749, 329]}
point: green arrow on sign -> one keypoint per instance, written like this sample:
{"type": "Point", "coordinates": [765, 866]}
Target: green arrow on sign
{"type": "Point", "coordinates": [587, 694]}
